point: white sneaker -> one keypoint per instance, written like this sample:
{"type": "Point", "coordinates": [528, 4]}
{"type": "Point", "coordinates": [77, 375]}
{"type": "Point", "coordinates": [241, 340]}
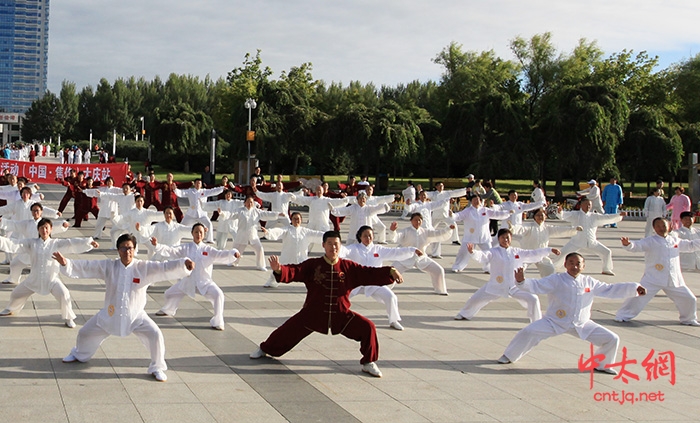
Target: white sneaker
{"type": "Point", "coordinates": [70, 323]}
{"type": "Point", "coordinates": [262, 269]}
{"type": "Point", "coordinates": [271, 283]}
{"type": "Point", "coordinates": [372, 369]}
{"type": "Point", "coordinates": [608, 371]}
{"type": "Point", "coordinates": [691, 323]}
{"type": "Point", "coordinates": [460, 317]}
{"type": "Point", "coordinates": [7, 281]}
{"type": "Point", "coordinates": [620, 320]}
{"type": "Point", "coordinates": [609, 273]}
{"type": "Point", "coordinates": [6, 312]}
{"type": "Point", "coordinates": [217, 327]}
{"type": "Point", "coordinates": [69, 358]}
{"type": "Point", "coordinates": [259, 353]}
{"type": "Point", "coordinates": [455, 270]}
{"type": "Point", "coordinates": [160, 376]}
{"type": "Point", "coordinates": [396, 325]}
{"type": "Point", "coordinates": [161, 313]}
{"type": "Point", "coordinates": [504, 360]}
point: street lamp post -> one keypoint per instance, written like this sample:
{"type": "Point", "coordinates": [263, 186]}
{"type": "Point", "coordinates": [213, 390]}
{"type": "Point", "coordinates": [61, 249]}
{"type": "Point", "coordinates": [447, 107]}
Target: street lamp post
{"type": "Point", "coordinates": [212, 157]}
{"type": "Point", "coordinates": [250, 104]}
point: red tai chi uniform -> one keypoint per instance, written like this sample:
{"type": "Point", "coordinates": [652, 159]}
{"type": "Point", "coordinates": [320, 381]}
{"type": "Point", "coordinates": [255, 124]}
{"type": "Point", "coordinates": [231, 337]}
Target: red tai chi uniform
{"type": "Point", "coordinates": [327, 305]}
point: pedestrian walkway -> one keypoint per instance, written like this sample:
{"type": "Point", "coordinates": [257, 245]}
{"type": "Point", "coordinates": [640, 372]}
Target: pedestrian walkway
{"type": "Point", "coordinates": [437, 370]}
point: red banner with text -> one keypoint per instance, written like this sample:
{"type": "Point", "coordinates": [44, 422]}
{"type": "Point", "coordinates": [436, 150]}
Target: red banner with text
{"type": "Point", "coordinates": [48, 173]}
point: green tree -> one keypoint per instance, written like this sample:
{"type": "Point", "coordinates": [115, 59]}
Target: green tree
{"type": "Point", "coordinates": [42, 119]}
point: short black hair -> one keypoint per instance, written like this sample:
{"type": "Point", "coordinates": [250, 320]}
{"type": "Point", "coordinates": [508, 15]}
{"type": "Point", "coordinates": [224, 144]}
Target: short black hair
{"type": "Point", "coordinates": [124, 238]}
{"type": "Point", "coordinates": [686, 214]}
{"type": "Point", "coordinates": [331, 234]}
{"type": "Point", "coordinates": [363, 228]}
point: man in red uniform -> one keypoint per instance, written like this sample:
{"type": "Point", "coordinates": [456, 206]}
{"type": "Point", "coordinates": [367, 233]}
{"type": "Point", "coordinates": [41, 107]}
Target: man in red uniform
{"type": "Point", "coordinates": [329, 280]}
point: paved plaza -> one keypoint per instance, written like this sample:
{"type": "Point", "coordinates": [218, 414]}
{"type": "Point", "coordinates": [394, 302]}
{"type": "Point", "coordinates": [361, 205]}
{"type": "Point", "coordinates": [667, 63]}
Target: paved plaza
{"type": "Point", "coordinates": [437, 370]}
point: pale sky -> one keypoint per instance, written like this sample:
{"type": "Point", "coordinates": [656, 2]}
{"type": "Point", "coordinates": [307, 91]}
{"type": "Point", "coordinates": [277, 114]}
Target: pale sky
{"type": "Point", "coordinates": [386, 42]}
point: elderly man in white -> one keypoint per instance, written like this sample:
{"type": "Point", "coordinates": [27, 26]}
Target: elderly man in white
{"type": "Point", "coordinates": [409, 196]}
{"type": "Point", "coordinates": [378, 226]}
{"type": "Point", "coordinates": [419, 237]}
{"type": "Point", "coordinates": [249, 217]}
{"type": "Point", "coordinates": [662, 271]}
{"type": "Point", "coordinates": [279, 200]}
{"type": "Point", "coordinates": [108, 208]}
{"type": "Point", "coordinates": [441, 215]}
{"type": "Point", "coordinates": [167, 232]}
{"type": "Point", "coordinates": [587, 238]}
{"type": "Point", "coordinates": [197, 196]}
{"type": "Point", "coordinates": [360, 214]}
{"type": "Point", "coordinates": [225, 227]}
{"type": "Point", "coordinates": [593, 194]}
{"type": "Point", "coordinates": [319, 209]}
{"type": "Point", "coordinates": [518, 208]}
{"type": "Point", "coordinates": [425, 207]}
{"type": "Point", "coordinates": [476, 230]}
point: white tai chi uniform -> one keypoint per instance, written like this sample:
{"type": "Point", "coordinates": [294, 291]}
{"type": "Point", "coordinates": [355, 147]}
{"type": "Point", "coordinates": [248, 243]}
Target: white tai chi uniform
{"type": "Point", "coordinates": [518, 208]}
{"type": "Point", "coordinates": [653, 207]}
{"type": "Point", "coordinates": [359, 216]}
{"type": "Point", "coordinates": [24, 229]}
{"type": "Point", "coordinates": [378, 226]}
{"type": "Point", "coordinates": [165, 233]}
{"type": "Point", "coordinates": [476, 231]}
{"type": "Point", "coordinates": [662, 271]}
{"type": "Point", "coordinates": [425, 209]}
{"type": "Point", "coordinates": [195, 213]}
{"type": "Point", "coordinates": [126, 222]}
{"type": "Point", "coordinates": [501, 283]}
{"type": "Point", "coordinates": [533, 235]}
{"type": "Point", "coordinates": [200, 280]}
{"type": "Point", "coordinates": [279, 202]}
{"type": "Point", "coordinates": [319, 211]}
{"type": "Point", "coordinates": [374, 255]}
{"type": "Point", "coordinates": [420, 238]}
{"type": "Point", "coordinates": [125, 299]}
{"type": "Point", "coordinates": [224, 227]}
{"type": "Point", "coordinates": [569, 311]}
{"type": "Point", "coordinates": [108, 209]}
{"type": "Point", "coordinates": [247, 234]}
{"type": "Point", "coordinates": [689, 261]}
{"type": "Point", "coordinates": [43, 277]}
{"type": "Point", "coordinates": [586, 239]}
{"type": "Point", "coordinates": [295, 245]}
{"type": "Point", "coordinates": [409, 196]}
{"type": "Point", "coordinates": [538, 196]}
{"type": "Point", "coordinates": [593, 194]}
{"type": "Point", "coordinates": [22, 210]}
{"type": "Point", "coordinates": [441, 215]}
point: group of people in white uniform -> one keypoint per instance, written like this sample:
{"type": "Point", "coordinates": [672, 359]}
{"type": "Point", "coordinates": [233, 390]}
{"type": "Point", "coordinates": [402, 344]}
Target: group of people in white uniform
{"type": "Point", "coordinates": [431, 222]}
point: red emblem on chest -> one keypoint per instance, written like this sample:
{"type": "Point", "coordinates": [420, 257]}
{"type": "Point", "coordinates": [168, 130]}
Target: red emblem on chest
{"type": "Point", "coordinates": [675, 246]}
{"type": "Point", "coordinates": [205, 253]}
{"type": "Point", "coordinates": [137, 280]}
{"type": "Point", "coordinates": [376, 254]}
{"type": "Point", "coordinates": [587, 290]}
{"type": "Point", "coordinates": [517, 256]}
{"type": "Point", "coordinates": [483, 214]}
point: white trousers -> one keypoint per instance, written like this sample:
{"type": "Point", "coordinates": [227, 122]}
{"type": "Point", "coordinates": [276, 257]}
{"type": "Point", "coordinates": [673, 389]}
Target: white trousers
{"type": "Point", "coordinates": [257, 247]}
{"type": "Point", "coordinates": [596, 247]}
{"type": "Point", "coordinates": [429, 266]}
{"type": "Point", "coordinates": [463, 256]}
{"type": "Point", "coordinates": [99, 226]}
{"type": "Point", "coordinates": [383, 295]}
{"type": "Point", "coordinates": [682, 297]}
{"type": "Point", "coordinates": [212, 292]}
{"type": "Point", "coordinates": [532, 334]}
{"type": "Point", "coordinates": [481, 298]}
{"type": "Point", "coordinates": [20, 295]}
{"type": "Point", "coordinates": [189, 221]}
{"type": "Point", "coordinates": [90, 337]}
{"type": "Point", "coordinates": [18, 263]}
{"type": "Point", "coordinates": [379, 229]}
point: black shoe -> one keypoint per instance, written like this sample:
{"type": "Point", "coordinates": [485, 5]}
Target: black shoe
{"type": "Point", "coordinates": [456, 243]}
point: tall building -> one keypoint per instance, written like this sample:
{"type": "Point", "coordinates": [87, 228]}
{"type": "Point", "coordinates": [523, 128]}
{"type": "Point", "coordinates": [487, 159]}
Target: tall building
{"type": "Point", "coordinates": [24, 53]}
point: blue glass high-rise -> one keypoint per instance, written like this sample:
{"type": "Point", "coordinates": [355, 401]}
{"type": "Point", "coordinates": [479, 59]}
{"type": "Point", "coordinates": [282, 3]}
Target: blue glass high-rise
{"type": "Point", "coordinates": [24, 53]}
